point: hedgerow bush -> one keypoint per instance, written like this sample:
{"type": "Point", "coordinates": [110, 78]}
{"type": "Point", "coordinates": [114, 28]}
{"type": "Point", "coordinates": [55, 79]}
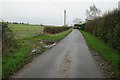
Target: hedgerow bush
{"type": "Point", "coordinates": [54, 30]}
{"type": "Point", "coordinates": [82, 26]}
{"type": "Point", "coordinates": [107, 28]}
{"type": "Point", "coordinates": [8, 41]}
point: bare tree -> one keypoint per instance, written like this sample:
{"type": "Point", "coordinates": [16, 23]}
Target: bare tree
{"type": "Point", "coordinates": [77, 21]}
{"type": "Point", "coordinates": [93, 12]}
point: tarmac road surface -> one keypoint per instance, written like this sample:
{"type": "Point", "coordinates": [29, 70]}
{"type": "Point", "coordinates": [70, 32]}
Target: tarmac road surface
{"type": "Point", "coordinates": [70, 58]}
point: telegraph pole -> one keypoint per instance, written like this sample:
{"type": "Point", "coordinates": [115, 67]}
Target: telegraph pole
{"type": "Point", "coordinates": [119, 5]}
{"type": "Point", "coordinates": [64, 17]}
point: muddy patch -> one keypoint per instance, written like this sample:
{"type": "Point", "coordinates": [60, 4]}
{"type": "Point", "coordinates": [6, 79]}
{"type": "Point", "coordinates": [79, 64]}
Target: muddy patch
{"type": "Point", "coordinates": [48, 43]}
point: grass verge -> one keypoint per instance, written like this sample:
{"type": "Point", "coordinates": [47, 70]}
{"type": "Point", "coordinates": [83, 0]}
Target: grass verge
{"type": "Point", "coordinates": [22, 55]}
{"type": "Point", "coordinates": [14, 60]}
{"type": "Point", "coordinates": [105, 52]}
{"type": "Point", "coordinates": [55, 37]}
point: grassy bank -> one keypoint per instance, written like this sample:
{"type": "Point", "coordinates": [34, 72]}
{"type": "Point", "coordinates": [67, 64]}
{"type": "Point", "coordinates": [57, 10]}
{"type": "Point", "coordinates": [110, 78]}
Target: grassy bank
{"type": "Point", "coordinates": [14, 60]}
{"type": "Point", "coordinates": [55, 37]}
{"type": "Point", "coordinates": [22, 55]}
{"type": "Point", "coordinates": [106, 53]}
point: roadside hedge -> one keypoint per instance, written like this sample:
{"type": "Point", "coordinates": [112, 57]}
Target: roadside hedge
{"type": "Point", "coordinates": [54, 30]}
{"type": "Point", "coordinates": [107, 28]}
{"type": "Point", "coordinates": [8, 41]}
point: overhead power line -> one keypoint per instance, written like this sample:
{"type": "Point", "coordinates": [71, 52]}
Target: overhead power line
{"type": "Point", "coordinates": [55, 4]}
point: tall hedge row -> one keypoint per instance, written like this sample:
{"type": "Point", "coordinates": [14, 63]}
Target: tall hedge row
{"type": "Point", "coordinates": [107, 28]}
{"type": "Point", "coordinates": [54, 30]}
{"type": "Point", "coordinates": [8, 41]}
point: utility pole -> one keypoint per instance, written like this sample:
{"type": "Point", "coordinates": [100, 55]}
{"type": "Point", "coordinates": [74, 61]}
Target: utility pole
{"type": "Point", "coordinates": [64, 17]}
{"type": "Point", "coordinates": [119, 5]}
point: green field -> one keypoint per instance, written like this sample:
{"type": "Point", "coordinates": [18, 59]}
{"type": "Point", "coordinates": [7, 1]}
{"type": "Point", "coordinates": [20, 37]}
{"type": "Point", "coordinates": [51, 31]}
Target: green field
{"type": "Point", "coordinates": [23, 30]}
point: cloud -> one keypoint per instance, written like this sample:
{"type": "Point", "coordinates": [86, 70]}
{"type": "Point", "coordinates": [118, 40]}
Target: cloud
{"type": "Point", "coordinates": [47, 12]}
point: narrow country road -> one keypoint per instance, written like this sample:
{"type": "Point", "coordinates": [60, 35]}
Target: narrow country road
{"type": "Point", "coordinates": [70, 58]}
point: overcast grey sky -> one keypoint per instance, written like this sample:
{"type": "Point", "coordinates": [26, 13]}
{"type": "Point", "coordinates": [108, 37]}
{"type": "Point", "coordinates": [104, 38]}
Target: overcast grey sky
{"type": "Point", "coordinates": [50, 11]}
